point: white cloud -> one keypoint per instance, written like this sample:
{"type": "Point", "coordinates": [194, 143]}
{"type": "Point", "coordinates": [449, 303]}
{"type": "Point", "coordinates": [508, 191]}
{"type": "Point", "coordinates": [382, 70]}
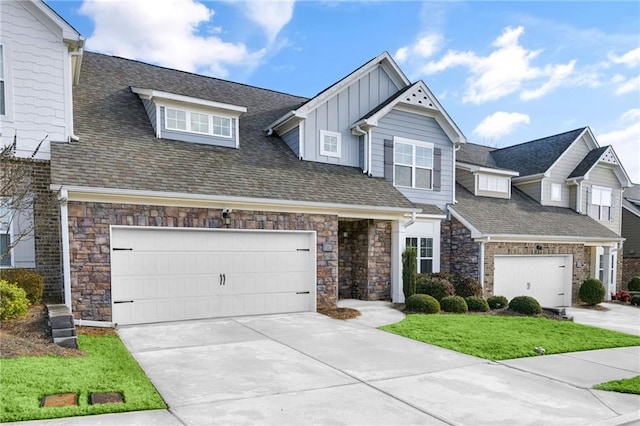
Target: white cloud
{"type": "Point", "coordinates": [423, 48]}
{"type": "Point", "coordinates": [500, 124]}
{"type": "Point", "coordinates": [271, 15]}
{"type": "Point", "coordinates": [630, 59]}
{"type": "Point", "coordinates": [630, 85]}
{"type": "Point", "coordinates": [624, 140]}
{"type": "Point", "coordinates": [506, 70]}
{"type": "Point", "coordinates": [164, 33]}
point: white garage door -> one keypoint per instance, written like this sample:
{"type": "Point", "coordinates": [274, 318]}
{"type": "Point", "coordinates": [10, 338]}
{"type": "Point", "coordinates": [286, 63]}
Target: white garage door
{"type": "Point", "coordinates": [171, 274]}
{"type": "Point", "coordinates": [546, 278]}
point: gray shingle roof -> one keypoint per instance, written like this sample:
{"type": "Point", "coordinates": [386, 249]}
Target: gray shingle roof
{"type": "Point", "coordinates": [521, 215]}
{"type": "Point", "coordinates": [118, 147]}
{"type": "Point", "coordinates": [429, 209]}
{"type": "Point", "coordinates": [387, 101]}
{"type": "Point", "coordinates": [631, 199]}
{"type": "Point", "coordinates": [479, 155]}
{"type": "Point", "coordinates": [588, 162]}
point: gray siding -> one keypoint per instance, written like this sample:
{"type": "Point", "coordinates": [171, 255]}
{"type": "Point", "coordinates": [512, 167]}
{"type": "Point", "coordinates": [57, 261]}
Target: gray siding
{"type": "Point", "coordinates": [196, 138]}
{"type": "Point", "coordinates": [466, 179]}
{"type": "Point", "coordinates": [604, 176]}
{"type": "Point", "coordinates": [342, 110]}
{"type": "Point", "coordinates": [414, 126]}
{"type": "Point", "coordinates": [531, 189]}
{"type": "Point", "coordinates": [292, 139]}
{"type": "Point", "coordinates": [150, 108]}
{"type": "Point", "coordinates": [561, 170]}
{"type": "Point", "coordinates": [631, 231]}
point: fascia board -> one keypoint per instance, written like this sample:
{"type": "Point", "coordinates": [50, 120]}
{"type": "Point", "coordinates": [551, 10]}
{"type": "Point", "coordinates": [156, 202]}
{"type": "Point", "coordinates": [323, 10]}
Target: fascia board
{"type": "Point", "coordinates": [152, 94]}
{"type": "Point", "coordinates": [474, 168]}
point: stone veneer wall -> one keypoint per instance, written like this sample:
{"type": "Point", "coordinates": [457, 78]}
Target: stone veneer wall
{"type": "Point", "coordinates": [579, 252]}
{"type": "Point", "coordinates": [365, 260]}
{"type": "Point", "coordinates": [46, 214]}
{"type": "Point", "coordinates": [630, 269]}
{"type": "Point", "coordinates": [460, 254]}
{"type": "Point", "coordinates": [90, 246]}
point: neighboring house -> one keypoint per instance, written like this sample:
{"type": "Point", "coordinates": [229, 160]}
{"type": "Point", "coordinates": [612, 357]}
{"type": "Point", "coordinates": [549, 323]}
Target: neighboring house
{"type": "Point", "coordinates": [189, 196]}
{"type": "Point", "coordinates": [538, 218]}
{"type": "Point", "coordinates": [39, 59]}
{"type": "Point", "coordinates": [631, 233]}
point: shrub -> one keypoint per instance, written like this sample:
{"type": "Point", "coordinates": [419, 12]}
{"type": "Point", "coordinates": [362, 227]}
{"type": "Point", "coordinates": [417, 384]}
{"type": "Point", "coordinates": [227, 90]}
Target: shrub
{"type": "Point", "coordinates": [465, 286]}
{"type": "Point", "coordinates": [409, 272]}
{"type": "Point", "coordinates": [28, 280]}
{"type": "Point", "coordinates": [477, 304]}
{"type": "Point", "coordinates": [455, 304]}
{"type": "Point", "coordinates": [497, 302]}
{"type": "Point", "coordinates": [434, 286]}
{"type": "Point", "coordinates": [591, 291]}
{"type": "Point", "coordinates": [422, 303]}
{"type": "Point", "coordinates": [525, 305]}
{"type": "Point", "coordinates": [635, 300]}
{"type": "Point", "coordinates": [634, 284]}
{"type": "Point", "coordinates": [621, 295]}
{"type": "Point", "coordinates": [13, 301]}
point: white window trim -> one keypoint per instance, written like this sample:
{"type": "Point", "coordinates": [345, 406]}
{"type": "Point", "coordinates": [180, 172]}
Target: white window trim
{"type": "Point", "coordinates": [8, 90]}
{"type": "Point", "coordinates": [9, 231]}
{"type": "Point", "coordinates": [559, 187]}
{"type": "Point", "coordinates": [338, 136]}
{"type": "Point", "coordinates": [591, 203]}
{"type": "Point", "coordinates": [418, 257]}
{"type": "Point", "coordinates": [506, 179]}
{"type": "Point", "coordinates": [413, 143]}
{"type": "Point", "coordinates": [188, 122]}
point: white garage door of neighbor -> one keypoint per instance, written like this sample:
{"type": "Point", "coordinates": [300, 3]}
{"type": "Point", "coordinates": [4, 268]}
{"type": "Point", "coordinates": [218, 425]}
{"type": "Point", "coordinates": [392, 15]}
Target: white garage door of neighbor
{"type": "Point", "coordinates": [170, 274]}
{"type": "Point", "coordinates": [546, 278]}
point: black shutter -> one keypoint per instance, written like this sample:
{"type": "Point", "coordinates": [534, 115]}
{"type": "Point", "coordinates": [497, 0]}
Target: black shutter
{"type": "Point", "coordinates": [437, 169]}
{"type": "Point", "coordinates": [388, 160]}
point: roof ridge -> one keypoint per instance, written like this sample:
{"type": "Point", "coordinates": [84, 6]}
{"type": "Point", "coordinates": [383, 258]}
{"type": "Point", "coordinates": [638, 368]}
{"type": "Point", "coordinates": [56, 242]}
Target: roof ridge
{"type": "Point", "coordinates": [540, 139]}
{"type": "Point", "coordinates": [302, 98]}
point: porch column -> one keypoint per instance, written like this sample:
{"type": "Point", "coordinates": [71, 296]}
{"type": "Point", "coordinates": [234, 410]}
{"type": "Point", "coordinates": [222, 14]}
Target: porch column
{"type": "Point", "coordinates": [397, 245]}
{"type": "Point", "coordinates": [606, 273]}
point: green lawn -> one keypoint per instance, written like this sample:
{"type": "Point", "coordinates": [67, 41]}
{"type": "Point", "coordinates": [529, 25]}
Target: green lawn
{"type": "Point", "coordinates": [506, 337]}
{"type": "Point", "coordinates": [107, 367]}
{"type": "Point", "coordinates": [631, 385]}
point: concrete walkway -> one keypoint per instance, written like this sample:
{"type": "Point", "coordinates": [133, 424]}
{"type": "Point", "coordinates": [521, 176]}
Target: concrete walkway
{"type": "Point", "coordinates": [623, 318]}
{"type": "Point", "coordinates": [310, 369]}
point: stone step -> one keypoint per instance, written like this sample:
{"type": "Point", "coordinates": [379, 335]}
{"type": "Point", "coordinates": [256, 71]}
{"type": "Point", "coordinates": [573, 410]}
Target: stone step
{"type": "Point", "coordinates": [63, 332]}
{"type": "Point", "coordinates": [67, 342]}
{"type": "Point", "coordinates": [61, 322]}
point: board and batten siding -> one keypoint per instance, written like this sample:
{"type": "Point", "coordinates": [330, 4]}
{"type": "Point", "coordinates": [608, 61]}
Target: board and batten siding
{"type": "Point", "coordinates": [292, 139]}
{"type": "Point", "coordinates": [339, 112]}
{"type": "Point", "coordinates": [422, 128]}
{"type": "Point", "coordinates": [560, 171]}
{"type": "Point", "coordinates": [198, 138]}
{"type": "Point", "coordinates": [35, 61]}
{"type": "Point", "coordinates": [604, 177]}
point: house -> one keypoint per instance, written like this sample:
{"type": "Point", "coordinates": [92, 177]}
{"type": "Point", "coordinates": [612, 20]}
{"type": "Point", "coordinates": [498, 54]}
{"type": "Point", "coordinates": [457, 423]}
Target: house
{"type": "Point", "coordinates": [631, 233]}
{"type": "Point", "coordinates": [538, 218]}
{"type": "Point", "coordinates": [188, 196]}
{"type": "Point", "coordinates": [40, 58]}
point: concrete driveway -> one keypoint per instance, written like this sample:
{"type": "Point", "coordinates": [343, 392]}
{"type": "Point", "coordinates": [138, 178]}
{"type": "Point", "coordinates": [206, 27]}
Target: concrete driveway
{"type": "Point", "coordinates": [309, 369]}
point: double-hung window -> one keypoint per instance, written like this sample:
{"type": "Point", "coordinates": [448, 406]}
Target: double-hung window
{"type": "Point", "coordinates": [600, 208]}
{"type": "Point", "coordinates": [196, 122]}
{"type": "Point", "coordinates": [413, 163]}
{"type": "Point", "coordinates": [5, 233]}
{"type": "Point", "coordinates": [424, 250]}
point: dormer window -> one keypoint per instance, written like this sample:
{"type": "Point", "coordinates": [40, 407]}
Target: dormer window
{"type": "Point", "coordinates": [493, 183]}
{"type": "Point", "coordinates": [196, 122]}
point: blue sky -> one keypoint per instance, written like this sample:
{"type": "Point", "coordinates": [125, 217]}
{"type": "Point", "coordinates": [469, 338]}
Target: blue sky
{"type": "Point", "coordinates": [506, 72]}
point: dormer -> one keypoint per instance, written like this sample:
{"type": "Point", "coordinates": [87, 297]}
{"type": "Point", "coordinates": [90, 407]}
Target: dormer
{"type": "Point", "coordinates": [485, 181]}
{"type": "Point", "coordinates": [189, 119]}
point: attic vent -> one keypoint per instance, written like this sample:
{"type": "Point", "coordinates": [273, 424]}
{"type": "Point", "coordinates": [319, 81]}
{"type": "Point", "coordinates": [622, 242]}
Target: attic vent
{"type": "Point", "coordinates": [419, 97]}
{"type": "Point", "coordinates": [609, 158]}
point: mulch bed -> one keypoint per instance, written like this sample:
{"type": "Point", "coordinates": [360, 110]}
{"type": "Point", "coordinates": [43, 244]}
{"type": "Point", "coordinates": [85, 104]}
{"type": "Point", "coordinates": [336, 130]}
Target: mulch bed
{"type": "Point", "coordinates": [31, 336]}
{"type": "Point", "coordinates": [340, 313]}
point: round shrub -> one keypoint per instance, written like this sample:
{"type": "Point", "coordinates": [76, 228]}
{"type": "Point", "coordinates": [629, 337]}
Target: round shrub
{"type": "Point", "coordinates": [28, 280]}
{"type": "Point", "coordinates": [634, 284]}
{"type": "Point", "coordinates": [455, 304]}
{"type": "Point", "coordinates": [635, 300]}
{"type": "Point", "coordinates": [525, 305]}
{"type": "Point", "coordinates": [13, 301]}
{"type": "Point", "coordinates": [465, 286]}
{"type": "Point", "coordinates": [422, 303]}
{"type": "Point", "coordinates": [497, 302]}
{"type": "Point", "coordinates": [434, 286]}
{"type": "Point", "coordinates": [591, 291]}
{"type": "Point", "coordinates": [477, 304]}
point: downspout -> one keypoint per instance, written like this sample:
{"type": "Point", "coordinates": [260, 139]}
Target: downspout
{"type": "Point", "coordinates": [483, 242]}
{"type": "Point", "coordinates": [412, 221]}
{"type": "Point", "coordinates": [369, 140]}
{"type": "Point", "coordinates": [64, 231]}
{"type": "Point", "coordinates": [456, 148]}
{"type": "Point", "coordinates": [359, 132]}
{"type": "Point", "coordinates": [77, 53]}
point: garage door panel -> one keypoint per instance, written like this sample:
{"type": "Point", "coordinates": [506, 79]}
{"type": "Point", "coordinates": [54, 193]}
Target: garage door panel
{"type": "Point", "coordinates": [178, 274]}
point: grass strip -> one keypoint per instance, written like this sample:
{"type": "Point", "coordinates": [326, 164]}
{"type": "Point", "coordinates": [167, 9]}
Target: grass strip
{"type": "Point", "coordinates": [631, 385]}
{"type": "Point", "coordinates": [107, 367]}
{"type": "Point", "coordinates": [497, 338]}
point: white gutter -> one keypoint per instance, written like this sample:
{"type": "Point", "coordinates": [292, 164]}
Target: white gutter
{"type": "Point", "coordinates": [90, 323]}
{"type": "Point", "coordinates": [66, 261]}
{"type": "Point", "coordinates": [412, 221]}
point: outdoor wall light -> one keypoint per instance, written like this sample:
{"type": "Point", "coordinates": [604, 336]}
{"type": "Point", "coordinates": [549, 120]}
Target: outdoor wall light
{"type": "Point", "coordinates": [538, 247]}
{"type": "Point", "coordinates": [226, 217]}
